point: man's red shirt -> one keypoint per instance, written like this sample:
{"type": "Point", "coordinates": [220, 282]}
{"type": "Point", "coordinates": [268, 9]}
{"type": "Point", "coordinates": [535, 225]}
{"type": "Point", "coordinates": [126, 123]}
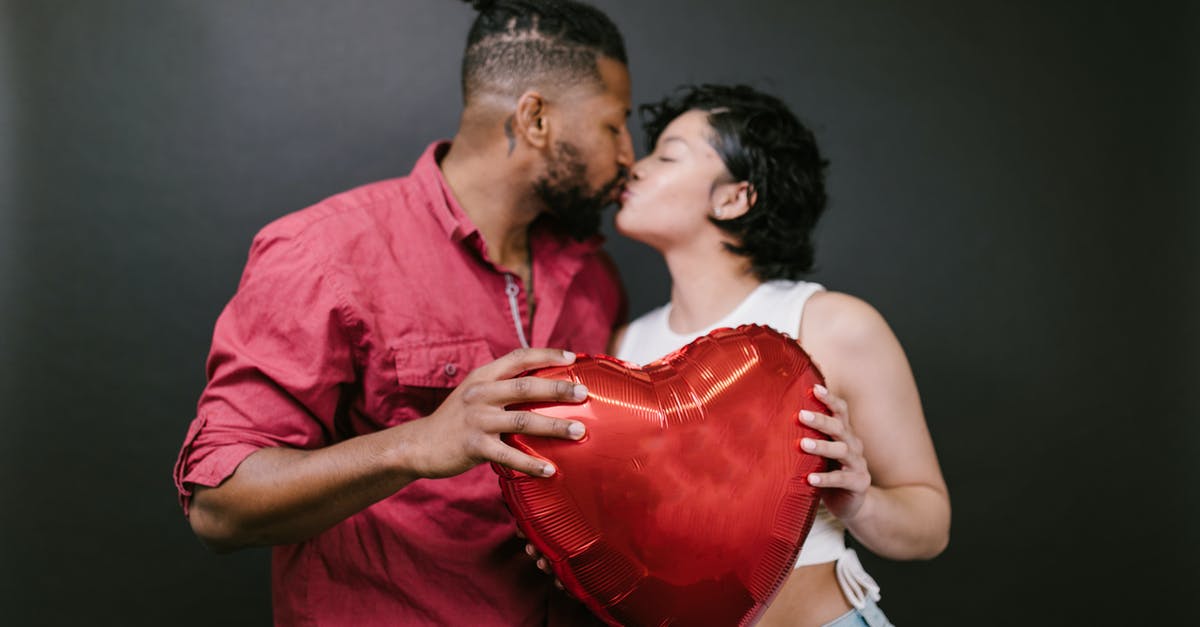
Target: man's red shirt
{"type": "Point", "coordinates": [361, 313]}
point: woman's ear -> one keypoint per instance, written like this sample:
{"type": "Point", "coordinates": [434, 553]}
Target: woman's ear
{"type": "Point", "coordinates": [733, 200]}
{"type": "Point", "coordinates": [530, 122]}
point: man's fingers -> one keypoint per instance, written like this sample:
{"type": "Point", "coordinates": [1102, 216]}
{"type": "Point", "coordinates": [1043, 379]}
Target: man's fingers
{"type": "Point", "coordinates": [524, 390]}
{"type": "Point", "coordinates": [542, 564]}
{"type": "Point", "coordinates": [534, 390]}
{"type": "Point", "coordinates": [524, 359]}
{"type": "Point", "coordinates": [532, 423]}
{"type": "Point", "coordinates": [505, 455]}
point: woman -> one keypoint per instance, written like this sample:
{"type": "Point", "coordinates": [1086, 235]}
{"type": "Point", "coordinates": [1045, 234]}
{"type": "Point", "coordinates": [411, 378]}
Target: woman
{"type": "Point", "coordinates": [730, 197]}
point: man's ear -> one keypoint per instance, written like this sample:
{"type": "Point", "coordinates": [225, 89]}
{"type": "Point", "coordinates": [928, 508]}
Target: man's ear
{"type": "Point", "coordinates": [733, 200]}
{"type": "Point", "coordinates": [530, 122]}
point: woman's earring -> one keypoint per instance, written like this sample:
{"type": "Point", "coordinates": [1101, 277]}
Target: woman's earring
{"type": "Point", "coordinates": [717, 212]}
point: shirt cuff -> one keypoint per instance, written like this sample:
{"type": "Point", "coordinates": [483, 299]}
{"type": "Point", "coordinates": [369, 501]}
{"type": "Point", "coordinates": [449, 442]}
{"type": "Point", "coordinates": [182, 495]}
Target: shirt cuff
{"type": "Point", "coordinates": [207, 466]}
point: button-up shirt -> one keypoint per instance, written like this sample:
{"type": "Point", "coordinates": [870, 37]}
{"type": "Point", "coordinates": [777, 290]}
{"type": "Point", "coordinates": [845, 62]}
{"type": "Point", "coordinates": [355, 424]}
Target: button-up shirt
{"type": "Point", "coordinates": [361, 313]}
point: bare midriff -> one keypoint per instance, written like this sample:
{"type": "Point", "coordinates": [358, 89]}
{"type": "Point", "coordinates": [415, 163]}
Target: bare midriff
{"type": "Point", "coordinates": [810, 597]}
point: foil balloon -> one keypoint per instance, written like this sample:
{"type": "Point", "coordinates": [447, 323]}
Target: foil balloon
{"type": "Point", "coordinates": [687, 501]}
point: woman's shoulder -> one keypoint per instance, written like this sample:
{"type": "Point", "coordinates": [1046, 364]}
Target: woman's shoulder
{"type": "Point", "coordinates": [842, 320]}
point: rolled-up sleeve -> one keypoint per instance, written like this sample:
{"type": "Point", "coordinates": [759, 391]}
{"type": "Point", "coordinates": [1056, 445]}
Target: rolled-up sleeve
{"type": "Point", "coordinates": [282, 351]}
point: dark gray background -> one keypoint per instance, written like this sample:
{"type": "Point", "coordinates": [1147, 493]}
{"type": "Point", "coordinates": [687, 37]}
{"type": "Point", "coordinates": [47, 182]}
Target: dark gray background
{"type": "Point", "coordinates": [1015, 187]}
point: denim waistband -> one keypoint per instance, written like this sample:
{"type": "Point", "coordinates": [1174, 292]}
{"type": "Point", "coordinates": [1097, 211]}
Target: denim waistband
{"type": "Point", "coordinates": [869, 615]}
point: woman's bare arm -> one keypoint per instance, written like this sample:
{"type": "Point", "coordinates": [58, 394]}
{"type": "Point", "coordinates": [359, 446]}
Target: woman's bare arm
{"type": "Point", "coordinates": [890, 492]}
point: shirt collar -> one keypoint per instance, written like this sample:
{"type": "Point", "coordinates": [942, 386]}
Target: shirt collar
{"type": "Point", "coordinates": [438, 198]}
{"type": "Point", "coordinates": [457, 225]}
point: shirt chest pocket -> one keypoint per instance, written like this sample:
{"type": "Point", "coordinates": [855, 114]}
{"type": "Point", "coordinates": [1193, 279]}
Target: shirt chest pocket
{"type": "Point", "coordinates": [439, 363]}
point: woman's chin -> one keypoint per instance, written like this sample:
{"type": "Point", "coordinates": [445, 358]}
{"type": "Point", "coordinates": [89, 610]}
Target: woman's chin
{"type": "Point", "coordinates": [621, 224]}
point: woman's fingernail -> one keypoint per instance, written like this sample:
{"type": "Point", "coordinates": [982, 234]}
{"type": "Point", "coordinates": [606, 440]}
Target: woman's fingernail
{"type": "Point", "coordinates": [548, 470]}
{"type": "Point", "coordinates": [580, 392]}
{"type": "Point", "coordinates": [807, 416]}
{"type": "Point", "coordinates": [568, 357]}
{"type": "Point", "coordinates": [576, 430]}
{"type": "Point", "coordinates": [814, 479]}
{"type": "Point", "coordinates": [820, 390]}
{"type": "Point", "coordinates": [807, 444]}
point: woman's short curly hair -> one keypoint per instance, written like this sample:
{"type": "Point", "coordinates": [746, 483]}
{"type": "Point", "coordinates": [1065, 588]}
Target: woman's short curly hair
{"type": "Point", "coordinates": [763, 143]}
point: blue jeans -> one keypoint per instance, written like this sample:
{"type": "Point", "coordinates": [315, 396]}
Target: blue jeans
{"type": "Point", "coordinates": [869, 616]}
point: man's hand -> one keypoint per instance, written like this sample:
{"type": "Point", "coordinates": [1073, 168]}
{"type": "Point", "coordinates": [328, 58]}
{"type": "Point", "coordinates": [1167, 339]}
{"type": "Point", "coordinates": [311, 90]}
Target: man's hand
{"type": "Point", "coordinates": [284, 496]}
{"type": "Point", "coordinates": [542, 563]}
{"type": "Point", "coordinates": [465, 430]}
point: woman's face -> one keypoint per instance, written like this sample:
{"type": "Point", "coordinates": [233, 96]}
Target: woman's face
{"type": "Point", "coordinates": [673, 190]}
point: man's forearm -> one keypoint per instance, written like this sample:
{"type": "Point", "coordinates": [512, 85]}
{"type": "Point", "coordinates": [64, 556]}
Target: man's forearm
{"type": "Point", "coordinates": [284, 496]}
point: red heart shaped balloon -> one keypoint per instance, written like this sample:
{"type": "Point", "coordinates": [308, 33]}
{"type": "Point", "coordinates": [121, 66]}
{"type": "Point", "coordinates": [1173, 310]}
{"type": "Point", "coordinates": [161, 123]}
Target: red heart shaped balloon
{"type": "Point", "coordinates": [687, 501]}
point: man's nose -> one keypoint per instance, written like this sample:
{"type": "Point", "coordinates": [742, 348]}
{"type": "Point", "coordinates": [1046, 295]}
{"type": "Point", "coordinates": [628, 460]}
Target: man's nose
{"type": "Point", "coordinates": [625, 154]}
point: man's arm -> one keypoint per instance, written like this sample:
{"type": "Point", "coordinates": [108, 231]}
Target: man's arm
{"type": "Point", "coordinates": [284, 495]}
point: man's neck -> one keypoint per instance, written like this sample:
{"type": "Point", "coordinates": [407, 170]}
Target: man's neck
{"type": "Point", "coordinates": [489, 187]}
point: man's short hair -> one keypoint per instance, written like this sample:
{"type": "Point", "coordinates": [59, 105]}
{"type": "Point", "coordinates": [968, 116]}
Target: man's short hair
{"type": "Point", "coordinates": [518, 44]}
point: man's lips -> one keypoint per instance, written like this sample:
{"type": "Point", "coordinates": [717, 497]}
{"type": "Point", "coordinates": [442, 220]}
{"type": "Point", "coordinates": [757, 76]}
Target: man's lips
{"type": "Point", "coordinates": [616, 191]}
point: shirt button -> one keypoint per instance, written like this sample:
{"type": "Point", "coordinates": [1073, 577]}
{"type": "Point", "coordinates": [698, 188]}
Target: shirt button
{"type": "Point", "coordinates": [450, 369]}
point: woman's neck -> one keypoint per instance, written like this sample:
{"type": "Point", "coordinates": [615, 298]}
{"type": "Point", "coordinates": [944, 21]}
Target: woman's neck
{"type": "Point", "coordinates": [706, 287]}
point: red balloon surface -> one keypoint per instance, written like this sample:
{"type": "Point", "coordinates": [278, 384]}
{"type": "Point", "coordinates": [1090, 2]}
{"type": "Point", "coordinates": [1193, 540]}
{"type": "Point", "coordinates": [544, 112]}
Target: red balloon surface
{"type": "Point", "coordinates": [687, 501]}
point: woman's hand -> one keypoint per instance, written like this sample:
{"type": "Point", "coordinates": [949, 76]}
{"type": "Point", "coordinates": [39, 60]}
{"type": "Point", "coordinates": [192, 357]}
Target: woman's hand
{"type": "Point", "coordinates": [844, 490]}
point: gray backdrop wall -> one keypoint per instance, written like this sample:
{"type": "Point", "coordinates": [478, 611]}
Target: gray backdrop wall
{"type": "Point", "coordinates": [1014, 186]}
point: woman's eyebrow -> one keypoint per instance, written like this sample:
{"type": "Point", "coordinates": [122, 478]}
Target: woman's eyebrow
{"type": "Point", "coordinates": [674, 138]}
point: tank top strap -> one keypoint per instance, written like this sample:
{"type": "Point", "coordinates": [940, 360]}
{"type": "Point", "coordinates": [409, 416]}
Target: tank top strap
{"type": "Point", "coordinates": [779, 305]}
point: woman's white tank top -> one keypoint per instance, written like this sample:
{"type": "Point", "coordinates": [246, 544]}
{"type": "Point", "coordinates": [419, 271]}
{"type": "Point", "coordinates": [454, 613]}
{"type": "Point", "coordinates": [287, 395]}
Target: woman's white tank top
{"type": "Point", "coordinates": [779, 305]}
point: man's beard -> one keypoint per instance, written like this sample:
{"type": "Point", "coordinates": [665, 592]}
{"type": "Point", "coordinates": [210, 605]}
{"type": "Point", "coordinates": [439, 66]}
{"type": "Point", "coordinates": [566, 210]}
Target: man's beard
{"type": "Point", "coordinates": [574, 208]}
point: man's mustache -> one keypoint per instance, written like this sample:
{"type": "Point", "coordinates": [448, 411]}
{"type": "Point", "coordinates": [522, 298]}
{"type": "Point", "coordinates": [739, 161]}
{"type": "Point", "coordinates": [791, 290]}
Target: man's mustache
{"type": "Point", "coordinates": [616, 185]}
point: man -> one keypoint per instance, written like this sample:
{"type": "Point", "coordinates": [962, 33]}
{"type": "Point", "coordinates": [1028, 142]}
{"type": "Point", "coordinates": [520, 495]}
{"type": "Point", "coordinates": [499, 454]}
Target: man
{"type": "Point", "coordinates": [354, 392]}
